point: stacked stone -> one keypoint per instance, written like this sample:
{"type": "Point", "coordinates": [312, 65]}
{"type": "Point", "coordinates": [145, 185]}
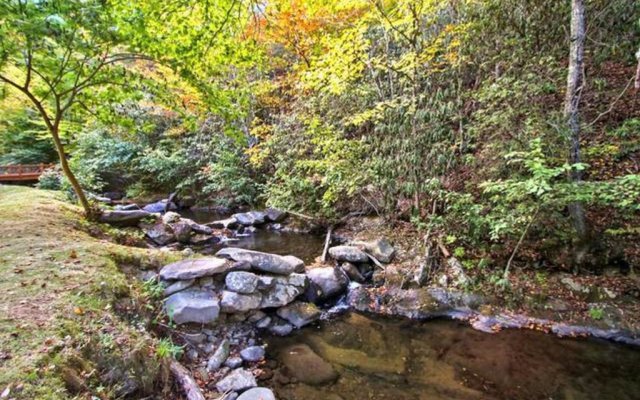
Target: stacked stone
{"type": "Point", "coordinates": [238, 282]}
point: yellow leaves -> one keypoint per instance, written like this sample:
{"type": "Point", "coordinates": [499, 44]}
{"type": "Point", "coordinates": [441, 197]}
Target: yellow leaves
{"type": "Point", "coordinates": [78, 311]}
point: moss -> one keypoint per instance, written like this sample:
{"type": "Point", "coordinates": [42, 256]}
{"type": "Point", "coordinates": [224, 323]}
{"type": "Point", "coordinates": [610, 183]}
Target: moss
{"type": "Point", "coordinates": [59, 290]}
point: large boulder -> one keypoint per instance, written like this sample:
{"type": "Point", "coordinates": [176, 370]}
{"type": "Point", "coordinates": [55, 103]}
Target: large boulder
{"type": "Point", "coordinates": [237, 380]}
{"type": "Point", "coordinates": [303, 364]}
{"type": "Point", "coordinates": [258, 393]}
{"type": "Point", "coordinates": [283, 290]}
{"type": "Point", "coordinates": [331, 281]}
{"type": "Point", "coordinates": [380, 249]}
{"type": "Point", "coordinates": [299, 314]}
{"type": "Point", "coordinates": [194, 268]}
{"type": "Point", "coordinates": [242, 282]}
{"type": "Point", "coordinates": [181, 230]}
{"type": "Point", "coordinates": [170, 217]}
{"type": "Point", "coordinates": [193, 305]}
{"type": "Point", "coordinates": [250, 218]}
{"type": "Point", "coordinates": [232, 302]}
{"type": "Point", "coordinates": [263, 262]}
{"type": "Point", "coordinates": [198, 228]}
{"type": "Point", "coordinates": [348, 253]}
{"type": "Point", "coordinates": [159, 233]}
{"type": "Point", "coordinates": [275, 215]}
{"type": "Point", "coordinates": [123, 217]}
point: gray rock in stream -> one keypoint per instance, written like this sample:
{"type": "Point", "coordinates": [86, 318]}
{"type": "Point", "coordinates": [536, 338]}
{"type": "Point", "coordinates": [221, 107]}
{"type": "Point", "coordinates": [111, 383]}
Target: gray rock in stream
{"type": "Point", "coordinates": [352, 272]}
{"type": "Point", "coordinates": [193, 305]}
{"type": "Point", "coordinates": [348, 253]}
{"type": "Point", "coordinates": [228, 223]}
{"type": "Point", "coordinates": [242, 282]}
{"type": "Point", "coordinates": [331, 281]}
{"type": "Point", "coordinates": [219, 357]}
{"type": "Point", "coordinates": [275, 215]}
{"type": "Point", "coordinates": [238, 380]}
{"type": "Point", "coordinates": [258, 393]}
{"type": "Point", "coordinates": [263, 262]}
{"type": "Point", "coordinates": [253, 353]}
{"type": "Point", "coordinates": [232, 302]}
{"type": "Point", "coordinates": [299, 314]}
{"type": "Point", "coordinates": [194, 268]}
{"type": "Point", "coordinates": [381, 249]}
{"type": "Point", "coordinates": [181, 230]}
{"type": "Point", "coordinates": [250, 218]}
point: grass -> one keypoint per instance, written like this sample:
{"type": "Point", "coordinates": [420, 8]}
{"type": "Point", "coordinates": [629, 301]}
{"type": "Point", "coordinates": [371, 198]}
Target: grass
{"type": "Point", "coordinates": [59, 290]}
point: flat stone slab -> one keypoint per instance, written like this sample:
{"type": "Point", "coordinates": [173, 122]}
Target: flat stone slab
{"type": "Point", "coordinates": [348, 253]}
{"type": "Point", "coordinates": [283, 290]}
{"type": "Point", "coordinates": [193, 305]}
{"type": "Point", "coordinates": [241, 282]}
{"type": "Point", "coordinates": [233, 302]}
{"type": "Point", "coordinates": [194, 268]}
{"type": "Point", "coordinates": [307, 366]}
{"type": "Point", "coordinates": [263, 262]}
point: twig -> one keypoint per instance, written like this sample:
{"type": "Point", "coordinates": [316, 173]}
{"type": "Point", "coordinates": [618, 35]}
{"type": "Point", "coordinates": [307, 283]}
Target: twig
{"type": "Point", "coordinates": [375, 261]}
{"type": "Point", "coordinates": [326, 244]}
{"type": "Point", "coordinates": [515, 250]}
{"type": "Point", "coordinates": [614, 102]}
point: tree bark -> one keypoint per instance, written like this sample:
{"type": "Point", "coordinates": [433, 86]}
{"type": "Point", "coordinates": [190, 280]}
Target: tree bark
{"type": "Point", "coordinates": [69, 174]}
{"type": "Point", "coordinates": [637, 82]}
{"type": "Point", "coordinates": [575, 85]}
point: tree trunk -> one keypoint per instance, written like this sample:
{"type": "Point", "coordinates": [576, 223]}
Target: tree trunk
{"type": "Point", "coordinates": [637, 82]}
{"type": "Point", "coordinates": [69, 174]}
{"type": "Point", "coordinates": [575, 85]}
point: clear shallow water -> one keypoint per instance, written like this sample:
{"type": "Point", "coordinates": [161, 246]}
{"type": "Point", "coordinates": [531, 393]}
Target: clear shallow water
{"type": "Point", "coordinates": [304, 246]}
{"type": "Point", "coordinates": [380, 359]}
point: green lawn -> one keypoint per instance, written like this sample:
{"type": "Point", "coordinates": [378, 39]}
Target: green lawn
{"type": "Point", "coordinates": [58, 289]}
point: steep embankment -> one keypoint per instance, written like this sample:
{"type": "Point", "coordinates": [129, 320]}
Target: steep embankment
{"type": "Point", "coordinates": [59, 333]}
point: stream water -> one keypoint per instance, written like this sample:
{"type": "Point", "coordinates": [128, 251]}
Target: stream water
{"type": "Point", "coordinates": [304, 246]}
{"type": "Point", "coordinates": [397, 359]}
{"type": "Point", "coordinates": [382, 359]}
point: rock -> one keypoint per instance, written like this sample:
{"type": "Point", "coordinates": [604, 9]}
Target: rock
{"type": "Point", "coordinates": [194, 268]}
{"type": "Point", "coordinates": [280, 327]}
{"type": "Point", "coordinates": [128, 207]}
{"type": "Point", "coordinates": [193, 305]}
{"type": "Point", "coordinates": [159, 233]}
{"type": "Point", "coordinates": [352, 272]}
{"type": "Point", "coordinates": [331, 281]}
{"type": "Point", "coordinates": [275, 215]}
{"type": "Point", "coordinates": [298, 264]}
{"type": "Point", "coordinates": [381, 249]}
{"type": "Point", "coordinates": [299, 314]}
{"type": "Point", "coordinates": [113, 195]}
{"type": "Point", "coordinates": [219, 357]}
{"type": "Point", "coordinates": [228, 223]}
{"type": "Point", "coordinates": [241, 282]}
{"type": "Point", "coordinates": [266, 282]}
{"type": "Point", "coordinates": [306, 366]}
{"type": "Point", "coordinates": [123, 217]}
{"type": "Point", "coordinates": [159, 207]}
{"type": "Point", "coordinates": [181, 230]}
{"type": "Point", "coordinates": [252, 354]}
{"type": "Point", "coordinates": [201, 239]}
{"type": "Point", "coordinates": [192, 355]}
{"type": "Point", "coordinates": [456, 271]}
{"type": "Point", "coordinates": [258, 393]}
{"type": "Point", "coordinates": [195, 338]}
{"type": "Point", "coordinates": [238, 380]}
{"type": "Point", "coordinates": [232, 302]}
{"type": "Point", "coordinates": [250, 218]}
{"type": "Point", "coordinates": [284, 290]}
{"type": "Point", "coordinates": [198, 228]}
{"type": "Point", "coordinates": [178, 286]}
{"type": "Point", "coordinates": [348, 253]}
{"type": "Point", "coordinates": [170, 217]}
{"type": "Point", "coordinates": [233, 362]}
{"type": "Point", "coordinates": [255, 316]}
{"type": "Point", "coordinates": [263, 323]}
{"type": "Point", "coordinates": [572, 285]}
{"type": "Point", "coordinates": [259, 261]}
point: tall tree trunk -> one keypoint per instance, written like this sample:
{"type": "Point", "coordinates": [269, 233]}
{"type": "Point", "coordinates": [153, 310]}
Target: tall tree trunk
{"type": "Point", "coordinates": [575, 85]}
{"type": "Point", "coordinates": [69, 174]}
{"type": "Point", "coordinates": [637, 82]}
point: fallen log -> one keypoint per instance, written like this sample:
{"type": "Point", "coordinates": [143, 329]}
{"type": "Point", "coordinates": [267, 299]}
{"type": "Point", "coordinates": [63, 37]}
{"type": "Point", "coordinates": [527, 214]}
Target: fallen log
{"type": "Point", "coordinates": [185, 380]}
{"type": "Point", "coordinates": [326, 244]}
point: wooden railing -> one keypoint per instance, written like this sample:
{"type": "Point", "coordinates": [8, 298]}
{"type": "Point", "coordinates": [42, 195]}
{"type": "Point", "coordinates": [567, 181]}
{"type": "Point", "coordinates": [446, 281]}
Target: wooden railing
{"type": "Point", "coordinates": [22, 172]}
